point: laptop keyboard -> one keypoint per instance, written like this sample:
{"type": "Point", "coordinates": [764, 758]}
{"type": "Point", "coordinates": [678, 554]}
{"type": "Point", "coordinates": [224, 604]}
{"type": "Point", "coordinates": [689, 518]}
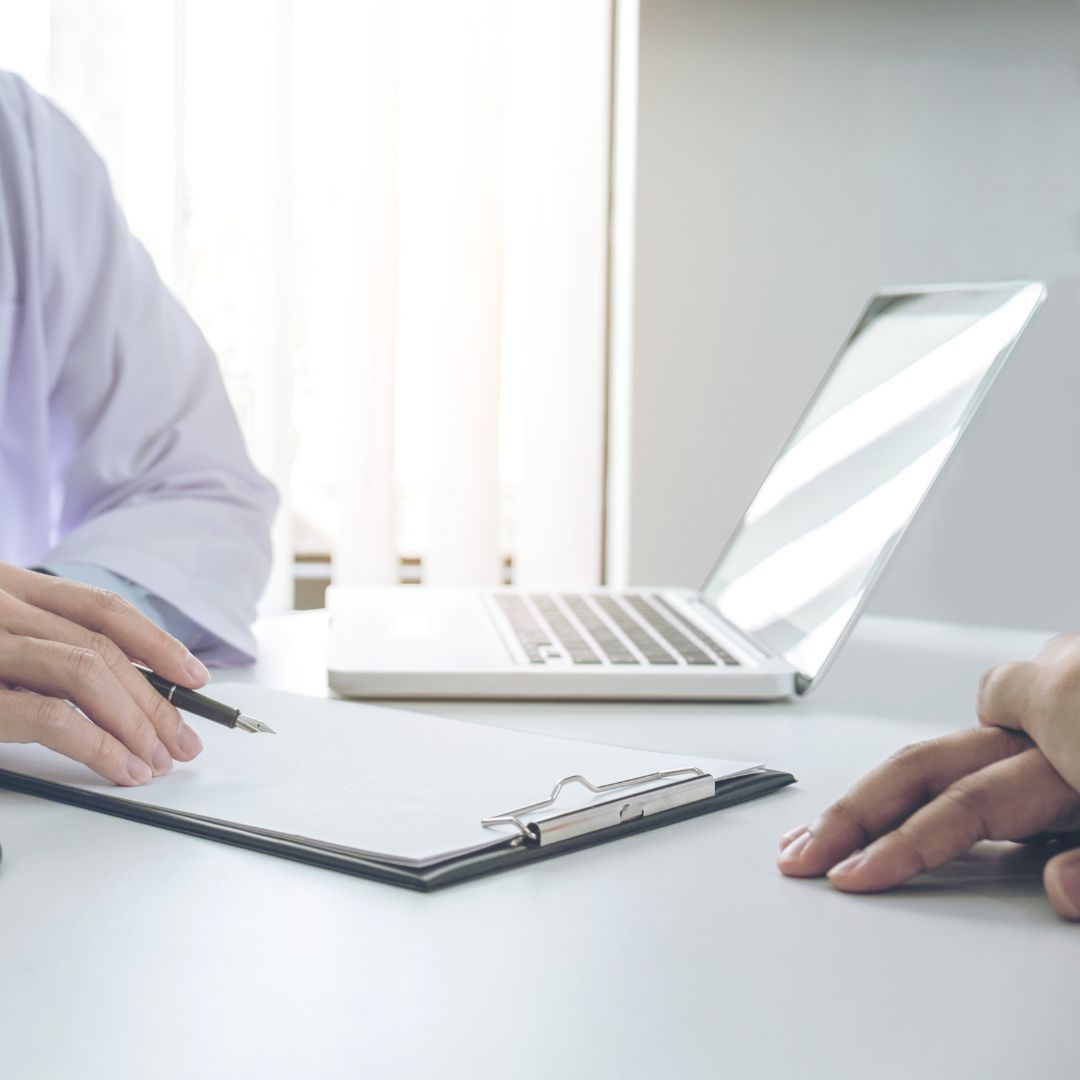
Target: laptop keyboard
{"type": "Point", "coordinates": [607, 628]}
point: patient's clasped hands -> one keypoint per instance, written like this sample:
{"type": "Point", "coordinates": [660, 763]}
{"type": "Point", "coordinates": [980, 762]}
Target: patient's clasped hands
{"type": "Point", "coordinates": [62, 642]}
{"type": "Point", "coordinates": [1015, 777]}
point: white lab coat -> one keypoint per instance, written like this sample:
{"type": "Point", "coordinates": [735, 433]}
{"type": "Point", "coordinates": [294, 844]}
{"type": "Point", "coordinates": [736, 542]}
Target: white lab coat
{"type": "Point", "coordinates": [118, 445]}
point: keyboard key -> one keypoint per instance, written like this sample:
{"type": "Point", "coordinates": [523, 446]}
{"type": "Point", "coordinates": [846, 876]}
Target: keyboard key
{"type": "Point", "coordinates": [532, 637]}
{"type": "Point", "coordinates": [610, 644]}
{"type": "Point", "coordinates": [642, 640]}
{"type": "Point", "coordinates": [657, 630]}
{"type": "Point", "coordinates": [691, 653]}
{"type": "Point", "coordinates": [566, 634]}
{"type": "Point", "coordinates": [711, 642]}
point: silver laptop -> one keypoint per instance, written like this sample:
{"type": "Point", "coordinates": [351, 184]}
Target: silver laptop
{"type": "Point", "coordinates": [793, 578]}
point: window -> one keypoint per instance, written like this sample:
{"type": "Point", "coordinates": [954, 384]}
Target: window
{"type": "Point", "coordinates": [389, 217]}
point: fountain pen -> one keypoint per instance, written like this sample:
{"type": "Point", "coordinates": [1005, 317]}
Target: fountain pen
{"type": "Point", "coordinates": [200, 705]}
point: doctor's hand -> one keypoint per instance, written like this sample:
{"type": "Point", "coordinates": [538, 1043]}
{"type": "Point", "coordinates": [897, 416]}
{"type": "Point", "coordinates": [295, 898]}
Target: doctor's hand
{"type": "Point", "coordinates": [930, 803]}
{"type": "Point", "coordinates": [63, 642]}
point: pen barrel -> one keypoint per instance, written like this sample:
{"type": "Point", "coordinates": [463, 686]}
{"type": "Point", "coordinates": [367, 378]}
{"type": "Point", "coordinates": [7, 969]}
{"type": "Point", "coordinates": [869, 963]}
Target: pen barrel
{"type": "Point", "coordinates": [194, 702]}
{"type": "Point", "coordinates": [191, 700]}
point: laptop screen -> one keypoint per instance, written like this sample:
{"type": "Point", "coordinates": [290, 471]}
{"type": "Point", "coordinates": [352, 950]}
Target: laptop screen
{"type": "Point", "coordinates": [860, 462]}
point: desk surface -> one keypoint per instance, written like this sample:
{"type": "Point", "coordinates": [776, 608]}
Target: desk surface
{"type": "Point", "coordinates": [131, 952]}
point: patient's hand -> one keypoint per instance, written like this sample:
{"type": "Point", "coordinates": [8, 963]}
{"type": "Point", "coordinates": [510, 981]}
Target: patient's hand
{"type": "Point", "coordinates": [1041, 697]}
{"type": "Point", "coordinates": [62, 642]}
{"type": "Point", "coordinates": [931, 802]}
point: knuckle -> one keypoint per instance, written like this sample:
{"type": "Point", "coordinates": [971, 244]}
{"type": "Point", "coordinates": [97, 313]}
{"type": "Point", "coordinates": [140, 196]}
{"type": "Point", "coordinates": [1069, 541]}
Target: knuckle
{"type": "Point", "coordinates": [843, 814]}
{"type": "Point", "coordinates": [51, 714]}
{"type": "Point", "coordinates": [969, 800]}
{"type": "Point", "coordinates": [905, 837]}
{"type": "Point", "coordinates": [162, 715]}
{"type": "Point", "coordinates": [964, 796]}
{"type": "Point", "coordinates": [986, 681]}
{"type": "Point", "coordinates": [143, 733]}
{"type": "Point", "coordinates": [838, 811]}
{"type": "Point", "coordinates": [106, 648]}
{"type": "Point", "coordinates": [97, 744]}
{"type": "Point", "coordinates": [104, 751]}
{"type": "Point", "coordinates": [911, 758]}
{"type": "Point", "coordinates": [913, 764]}
{"type": "Point", "coordinates": [1063, 645]}
{"type": "Point", "coordinates": [86, 665]}
{"type": "Point", "coordinates": [111, 603]}
{"type": "Point", "coordinates": [992, 680]}
{"type": "Point", "coordinates": [1000, 691]}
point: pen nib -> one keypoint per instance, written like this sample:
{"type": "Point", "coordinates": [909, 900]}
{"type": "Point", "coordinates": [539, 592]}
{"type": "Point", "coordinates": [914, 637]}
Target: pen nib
{"type": "Point", "coordinates": [248, 724]}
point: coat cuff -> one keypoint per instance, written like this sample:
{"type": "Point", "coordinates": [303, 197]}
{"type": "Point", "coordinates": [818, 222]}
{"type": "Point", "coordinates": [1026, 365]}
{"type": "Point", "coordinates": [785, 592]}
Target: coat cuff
{"type": "Point", "coordinates": [207, 646]}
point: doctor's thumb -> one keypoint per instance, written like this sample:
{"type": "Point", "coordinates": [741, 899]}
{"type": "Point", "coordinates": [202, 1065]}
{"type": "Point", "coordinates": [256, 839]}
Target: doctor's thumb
{"type": "Point", "coordinates": [1062, 880]}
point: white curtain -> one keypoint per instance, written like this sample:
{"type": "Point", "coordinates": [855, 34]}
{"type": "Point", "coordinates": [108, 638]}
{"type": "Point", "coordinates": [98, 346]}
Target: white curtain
{"type": "Point", "coordinates": [390, 219]}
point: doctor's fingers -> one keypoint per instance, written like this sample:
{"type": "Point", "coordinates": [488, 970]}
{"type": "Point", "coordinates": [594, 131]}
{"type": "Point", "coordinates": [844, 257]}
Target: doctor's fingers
{"type": "Point", "coordinates": [888, 794]}
{"type": "Point", "coordinates": [1008, 800]}
{"type": "Point", "coordinates": [103, 612]}
{"type": "Point", "coordinates": [81, 675]}
{"type": "Point", "coordinates": [27, 717]}
{"type": "Point", "coordinates": [24, 619]}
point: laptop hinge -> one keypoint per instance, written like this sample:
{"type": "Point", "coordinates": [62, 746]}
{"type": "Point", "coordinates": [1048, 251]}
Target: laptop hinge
{"type": "Point", "coordinates": [802, 681]}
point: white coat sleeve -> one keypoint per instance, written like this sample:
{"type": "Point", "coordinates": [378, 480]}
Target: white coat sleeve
{"type": "Point", "coordinates": [151, 477]}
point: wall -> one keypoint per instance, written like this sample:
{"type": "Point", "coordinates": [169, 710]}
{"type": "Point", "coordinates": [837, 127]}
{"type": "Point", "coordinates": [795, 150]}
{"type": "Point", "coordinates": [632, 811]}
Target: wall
{"type": "Point", "coordinates": [792, 156]}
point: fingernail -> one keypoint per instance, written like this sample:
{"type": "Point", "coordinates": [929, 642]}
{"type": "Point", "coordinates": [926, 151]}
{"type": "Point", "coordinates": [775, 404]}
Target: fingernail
{"type": "Point", "coordinates": [196, 669]}
{"type": "Point", "coordinates": [161, 758]}
{"type": "Point", "coordinates": [792, 834]}
{"type": "Point", "coordinates": [1068, 877]}
{"type": "Point", "coordinates": [848, 865]}
{"type": "Point", "coordinates": [796, 847]}
{"type": "Point", "coordinates": [189, 742]}
{"type": "Point", "coordinates": [138, 770]}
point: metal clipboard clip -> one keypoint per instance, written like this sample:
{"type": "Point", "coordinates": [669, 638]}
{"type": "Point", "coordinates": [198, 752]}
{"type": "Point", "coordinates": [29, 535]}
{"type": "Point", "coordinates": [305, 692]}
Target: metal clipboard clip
{"type": "Point", "coordinates": [694, 786]}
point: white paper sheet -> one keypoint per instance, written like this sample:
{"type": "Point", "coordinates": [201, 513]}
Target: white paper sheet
{"type": "Point", "coordinates": [405, 787]}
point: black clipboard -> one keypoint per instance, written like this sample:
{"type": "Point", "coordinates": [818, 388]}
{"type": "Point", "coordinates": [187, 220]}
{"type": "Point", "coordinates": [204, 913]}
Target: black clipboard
{"type": "Point", "coordinates": [527, 846]}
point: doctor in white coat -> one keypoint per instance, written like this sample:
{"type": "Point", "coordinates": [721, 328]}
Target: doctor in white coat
{"type": "Point", "coordinates": [123, 474]}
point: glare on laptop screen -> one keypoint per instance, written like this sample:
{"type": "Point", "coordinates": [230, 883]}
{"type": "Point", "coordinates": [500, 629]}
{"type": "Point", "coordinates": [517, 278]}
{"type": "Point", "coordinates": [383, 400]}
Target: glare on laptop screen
{"type": "Point", "coordinates": [860, 462]}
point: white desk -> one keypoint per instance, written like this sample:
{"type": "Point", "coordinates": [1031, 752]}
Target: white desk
{"type": "Point", "coordinates": [130, 952]}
